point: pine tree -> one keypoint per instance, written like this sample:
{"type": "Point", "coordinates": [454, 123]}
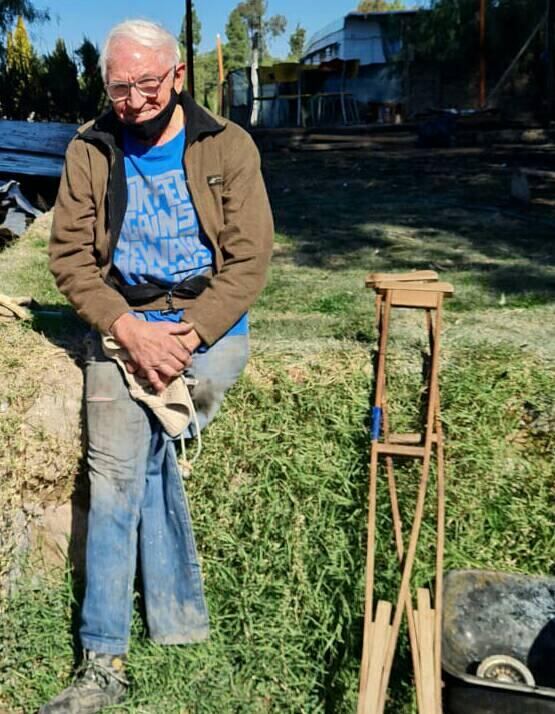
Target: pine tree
{"type": "Point", "coordinates": [237, 49]}
{"type": "Point", "coordinates": [91, 86]}
{"type": "Point", "coordinates": [21, 80]}
{"type": "Point", "coordinates": [62, 83]}
{"type": "Point", "coordinates": [19, 52]}
{"type": "Point", "coordinates": [207, 79]}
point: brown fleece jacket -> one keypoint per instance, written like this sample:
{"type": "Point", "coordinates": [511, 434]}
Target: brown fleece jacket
{"type": "Point", "coordinates": [224, 179]}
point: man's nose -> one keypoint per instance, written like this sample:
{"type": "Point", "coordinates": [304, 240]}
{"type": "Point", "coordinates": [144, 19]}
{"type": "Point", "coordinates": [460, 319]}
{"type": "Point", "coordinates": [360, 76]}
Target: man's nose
{"type": "Point", "coordinates": [135, 100]}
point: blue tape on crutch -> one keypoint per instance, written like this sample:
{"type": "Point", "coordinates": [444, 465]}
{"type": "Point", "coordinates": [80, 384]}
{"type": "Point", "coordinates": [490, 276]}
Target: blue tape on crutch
{"type": "Point", "coordinates": [376, 422]}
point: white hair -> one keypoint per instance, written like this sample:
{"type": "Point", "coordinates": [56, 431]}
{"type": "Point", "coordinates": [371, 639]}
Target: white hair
{"type": "Point", "coordinates": [145, 33]}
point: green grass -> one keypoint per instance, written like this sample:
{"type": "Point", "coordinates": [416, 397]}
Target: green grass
{"type": "Point", "coordinates": [279, 512]}
{"type": "Point", "coordinates": [279, 495]}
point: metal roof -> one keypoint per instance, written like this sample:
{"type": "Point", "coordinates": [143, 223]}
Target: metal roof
{"type": "Point", "coordinates": [337, 25]}
{"type": "Point", "coordinates": [412, 11]}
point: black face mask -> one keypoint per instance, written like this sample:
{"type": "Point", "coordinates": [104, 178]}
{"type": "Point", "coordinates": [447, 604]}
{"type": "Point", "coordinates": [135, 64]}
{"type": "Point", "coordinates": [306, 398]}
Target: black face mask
{"type": "Point", "coordinates": [151, 128]}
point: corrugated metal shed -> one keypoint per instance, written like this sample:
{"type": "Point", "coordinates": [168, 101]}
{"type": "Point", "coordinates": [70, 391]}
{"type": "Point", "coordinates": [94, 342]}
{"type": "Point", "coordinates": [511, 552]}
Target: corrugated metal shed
{"type": "Point", "coordinates": [357, 35]}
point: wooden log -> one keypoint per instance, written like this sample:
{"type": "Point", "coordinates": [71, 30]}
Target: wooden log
{"type": "Point", "coordinates": [538, 173]}
{"type": "Point", "coordinates": [339, 139]}
{"type": "Point", "coordinates": [335, 146]}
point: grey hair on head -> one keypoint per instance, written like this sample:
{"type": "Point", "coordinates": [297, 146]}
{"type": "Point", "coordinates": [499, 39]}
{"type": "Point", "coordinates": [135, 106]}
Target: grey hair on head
{"type": "Point", "coordinates": [145, 33]}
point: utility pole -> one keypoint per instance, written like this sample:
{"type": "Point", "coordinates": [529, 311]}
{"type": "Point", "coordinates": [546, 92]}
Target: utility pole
{"type": "Point", "coordinates": [482, 53]}
{"type": "Point", "coordinates": [221, 76]}
{"type": "Point", "coordinates": [190, 55]}
{"type": "Point", "coordinates": [256, 41]}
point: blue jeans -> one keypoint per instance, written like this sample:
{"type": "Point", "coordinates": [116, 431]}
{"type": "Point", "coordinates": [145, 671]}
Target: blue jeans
{"type": "Point", "coordinates": [139, 506]}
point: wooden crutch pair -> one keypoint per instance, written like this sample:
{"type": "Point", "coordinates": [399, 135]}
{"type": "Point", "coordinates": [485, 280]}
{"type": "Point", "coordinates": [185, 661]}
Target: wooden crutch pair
{"type": "Point", "coordinates": [406, 290]}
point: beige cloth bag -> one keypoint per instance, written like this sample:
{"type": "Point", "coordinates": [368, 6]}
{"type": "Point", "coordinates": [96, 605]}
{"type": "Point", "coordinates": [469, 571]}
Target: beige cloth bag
{"type": "Point", "coordinates": [173, 407]}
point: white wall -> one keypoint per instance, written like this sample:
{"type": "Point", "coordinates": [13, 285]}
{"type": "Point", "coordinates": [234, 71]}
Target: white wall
{"type": "Point", "coordinates": [359, 38]}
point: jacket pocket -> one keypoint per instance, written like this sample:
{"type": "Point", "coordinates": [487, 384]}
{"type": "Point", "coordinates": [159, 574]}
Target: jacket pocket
{"type": "Point", "coordinates": [213, 190]}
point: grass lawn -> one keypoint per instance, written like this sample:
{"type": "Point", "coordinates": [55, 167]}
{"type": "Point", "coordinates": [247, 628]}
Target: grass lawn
{"type": "Point", "coordinates": [279, 496]}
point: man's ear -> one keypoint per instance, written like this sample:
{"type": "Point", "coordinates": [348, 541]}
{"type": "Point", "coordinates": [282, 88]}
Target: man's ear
{"type": "Point", "coordinates": [179, 77]}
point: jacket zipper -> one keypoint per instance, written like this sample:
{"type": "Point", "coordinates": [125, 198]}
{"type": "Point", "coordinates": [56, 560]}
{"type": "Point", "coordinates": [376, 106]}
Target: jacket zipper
{"type": "Point", "coordinates": [109, 199]}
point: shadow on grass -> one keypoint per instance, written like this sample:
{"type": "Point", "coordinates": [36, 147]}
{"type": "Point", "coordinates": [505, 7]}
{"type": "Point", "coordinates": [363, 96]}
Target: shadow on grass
{"type": "Point", "coordinates": [388, 211]}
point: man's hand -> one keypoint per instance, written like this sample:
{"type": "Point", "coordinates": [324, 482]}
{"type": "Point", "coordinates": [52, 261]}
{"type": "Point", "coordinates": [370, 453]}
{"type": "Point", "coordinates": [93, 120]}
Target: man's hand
{"type": "Point", "coordinates": [158, 351]}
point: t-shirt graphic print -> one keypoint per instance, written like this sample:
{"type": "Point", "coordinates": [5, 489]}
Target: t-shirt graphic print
{"type": "Point", "coordinates": [161, 239]}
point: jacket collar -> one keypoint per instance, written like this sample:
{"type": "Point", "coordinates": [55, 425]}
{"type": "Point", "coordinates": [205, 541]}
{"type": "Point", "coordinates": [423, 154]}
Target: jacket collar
{"type": "Point", "coordinates": [199, 122]}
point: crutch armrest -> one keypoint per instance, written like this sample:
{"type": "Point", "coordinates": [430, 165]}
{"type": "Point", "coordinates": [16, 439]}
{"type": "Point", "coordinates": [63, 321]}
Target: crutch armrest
{"type": "Point", "coordinates": [414, 276]}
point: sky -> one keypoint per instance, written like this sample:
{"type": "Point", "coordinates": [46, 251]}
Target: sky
{"type": "Point", "coordinates": [72, 19]}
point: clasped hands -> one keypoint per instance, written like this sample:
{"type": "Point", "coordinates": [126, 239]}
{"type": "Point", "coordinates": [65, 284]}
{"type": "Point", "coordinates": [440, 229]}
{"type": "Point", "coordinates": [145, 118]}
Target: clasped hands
{"type": "Point", "coordinates": [158, 351]}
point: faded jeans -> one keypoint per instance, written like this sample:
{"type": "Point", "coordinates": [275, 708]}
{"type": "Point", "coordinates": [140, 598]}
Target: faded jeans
{"type": "Point", "coordinates": [139, 506]}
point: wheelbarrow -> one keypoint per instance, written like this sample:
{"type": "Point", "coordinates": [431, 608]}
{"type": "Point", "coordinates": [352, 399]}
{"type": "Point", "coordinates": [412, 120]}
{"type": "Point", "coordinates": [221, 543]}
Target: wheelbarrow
{"type": "Point", "coordinates": [498, 643]}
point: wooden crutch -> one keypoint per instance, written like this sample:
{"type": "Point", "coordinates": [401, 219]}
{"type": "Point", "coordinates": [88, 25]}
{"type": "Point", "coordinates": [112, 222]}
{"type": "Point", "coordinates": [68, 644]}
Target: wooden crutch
{"type": "Point", "coordinates": [424, 625]}
{"type": "Point", "coordinates": [428, 690]}
{"type": "Point", "coordinates": [376, 632]}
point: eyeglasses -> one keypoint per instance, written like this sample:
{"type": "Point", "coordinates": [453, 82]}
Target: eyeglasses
{"type": "Point", "coordinates": [146, 86]}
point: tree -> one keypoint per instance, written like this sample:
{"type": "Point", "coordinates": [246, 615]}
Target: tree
{"type": "Point", "coordinates": [449, 32]}
{"type": "Point", "coordinates": [296, 43]}
{"type": "Point", "coordinates": [197, 34]}
{"type": "Point", "coordinates": [237, 48]}
{"type": "Point", "coordinates": [12, 9]}
{"type": "Point", "coordinates": [62, 83]}
{"type": "Point", "coordinates": [380, 5]}
{"type": "Point", "coordinates": [448, 36]}
{"type": "Point", "coordinates": [207, 79]}
{"type": "Point", "coordinates": [91, 86]}
{"type": "Point", "coordinates": [259, 28]}
{"type": "Point", "coordinates": [21, 76]}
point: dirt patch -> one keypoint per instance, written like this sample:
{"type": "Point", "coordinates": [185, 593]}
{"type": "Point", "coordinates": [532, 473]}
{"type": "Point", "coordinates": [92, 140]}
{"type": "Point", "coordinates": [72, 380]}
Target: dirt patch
{"type": "Point", "coordinates": [40, 430]}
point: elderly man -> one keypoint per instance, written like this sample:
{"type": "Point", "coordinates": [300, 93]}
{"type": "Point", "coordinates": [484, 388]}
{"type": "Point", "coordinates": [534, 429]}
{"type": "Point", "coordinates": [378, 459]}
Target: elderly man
{"type": "Point", "coordinates": [161, 238]}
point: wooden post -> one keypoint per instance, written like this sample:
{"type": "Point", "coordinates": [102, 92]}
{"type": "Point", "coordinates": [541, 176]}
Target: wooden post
{"type": "Point", "coordinates": [550, 89]}
{"type": "Point", "coordinates": [220, 74]}
{"type": "Point", "coordinates": [190, 55]}
{"type": "Point", "coordinates": [482, 53]}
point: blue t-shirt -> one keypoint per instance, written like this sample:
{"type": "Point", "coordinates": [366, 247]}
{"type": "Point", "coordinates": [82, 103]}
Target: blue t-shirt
{"type": "Point", "coordinates": [161, 239]}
